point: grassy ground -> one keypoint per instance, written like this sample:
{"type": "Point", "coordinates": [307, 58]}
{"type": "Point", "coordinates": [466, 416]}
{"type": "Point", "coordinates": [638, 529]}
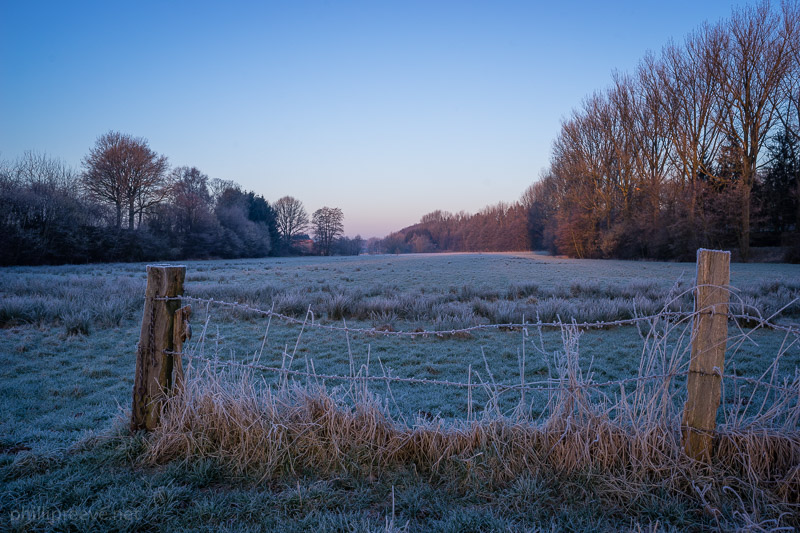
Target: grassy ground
{"type": "Point", "coordinates": [67, 352]}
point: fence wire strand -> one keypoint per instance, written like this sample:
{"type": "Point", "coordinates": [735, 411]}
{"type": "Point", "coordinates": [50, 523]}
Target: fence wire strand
{"type": "Point", "coordinates": [670, 315]}
{"type": "Point", "coordinates": [549, 385]}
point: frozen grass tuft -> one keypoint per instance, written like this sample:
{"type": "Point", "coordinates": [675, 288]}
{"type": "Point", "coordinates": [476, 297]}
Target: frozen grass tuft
{"type": "Point", "coordinates": [74, 302]}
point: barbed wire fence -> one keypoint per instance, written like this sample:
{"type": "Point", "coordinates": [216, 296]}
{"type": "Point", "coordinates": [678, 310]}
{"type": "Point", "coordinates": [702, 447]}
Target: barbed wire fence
{"type": "Point", "coordinates": [475, 381]}
{"type": "Point", "coordinates": [310, 322]}
{"type": "Point", "coordinates": [654, 329]}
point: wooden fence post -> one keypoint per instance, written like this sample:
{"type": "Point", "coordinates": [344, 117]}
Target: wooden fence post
{"type": "Point", "coordinates": [153, 365]}
{"type": "Point", "coordinates": [709, 337]}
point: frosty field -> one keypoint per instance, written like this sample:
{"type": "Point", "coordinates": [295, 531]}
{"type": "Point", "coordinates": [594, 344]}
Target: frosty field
{"type": "Point", "coordinates": [67, 355]}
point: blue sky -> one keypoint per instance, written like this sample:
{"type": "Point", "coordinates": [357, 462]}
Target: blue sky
{"type": "Point", "coordinates": [388, 110]}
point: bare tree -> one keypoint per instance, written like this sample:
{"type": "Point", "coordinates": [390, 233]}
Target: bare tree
{"type": "Point", "coordinates": [291, 218]}
{"type": "Point", "coordinates": [38, 169]}
{"type": "Point", "coordinates": [789, 99]}
{"type": "Point", "coordinates": [42, 217]}
{"type": "Point", "coordinates": [756, 58]}
{"type": "Point", "coordinates": [328, 225]}
{"type": "Point", "coordinates": [689, 100]}
{"type": "Point", "coordinates": [123, 171]}
{"type": "Point", "coordinates": [218, 186]}
{"type": "Point", "coordinates": [191, 197]}
{"type": "Point", "coordinates": [650, 135]}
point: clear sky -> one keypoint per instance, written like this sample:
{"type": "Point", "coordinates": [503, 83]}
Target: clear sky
{"type": "Point", "coordinates": [388, 110]}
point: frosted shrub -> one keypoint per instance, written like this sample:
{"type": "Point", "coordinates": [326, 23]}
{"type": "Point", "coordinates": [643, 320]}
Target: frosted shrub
{"type": "Point", "coordinates": [520, 290]}
{"type": "Point", "coordinates": [551, 309]}
{"type": "Point", "coordinates": [292, 303]}
{"type": "Point", "coordinates": [505, 312]}
{"type": "Point", "coordinates": [453, 317]}
{"type": "Point", "coordinates": [601, 310]}
{"type": "Point", "coordinates": [651, 290]}
{"type": "Point", "coordinates": [77, 322]}
{"type": "Point", "coordinates": [380, 306]}
{"type": "Point", "coordinates": [25, 310]}
{"type": "Point", "coordinates": [341, 305]}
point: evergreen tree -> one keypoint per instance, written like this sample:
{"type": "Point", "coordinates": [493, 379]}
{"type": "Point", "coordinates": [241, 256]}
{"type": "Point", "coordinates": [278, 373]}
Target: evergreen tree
{"type": "Point", "coordinates": [777, 194]}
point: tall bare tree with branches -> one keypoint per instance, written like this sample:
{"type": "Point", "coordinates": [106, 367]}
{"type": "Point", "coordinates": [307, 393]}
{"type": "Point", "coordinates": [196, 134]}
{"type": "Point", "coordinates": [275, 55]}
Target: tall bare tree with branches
{"type": "Point", "coordinates": [692, 109]}
{"type": "Point", "coordinates": [122, 170]}
{"type": "Point", "coordinates": [328, 224]}
{"type": "Point", "coordinates": [291, 218]}
{"type": "Point", "coordinates": [756, 59]}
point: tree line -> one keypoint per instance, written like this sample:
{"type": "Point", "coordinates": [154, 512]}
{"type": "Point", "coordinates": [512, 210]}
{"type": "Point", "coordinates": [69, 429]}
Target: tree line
{"type": "Point", "coordinates": [497, 228]}
{"type": "Point", "coordinates": [699, 147]}
{"type": "Point", "coordinates": [127, 204]}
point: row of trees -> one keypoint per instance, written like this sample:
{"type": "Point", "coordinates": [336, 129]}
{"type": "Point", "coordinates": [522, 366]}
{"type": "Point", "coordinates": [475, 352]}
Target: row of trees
{"type": "Point", "coordinates": [698, 147]}
{"type": "Point", "coordinates": [127, 204]}
{"type": "Point", "coordinates": [497, 228]}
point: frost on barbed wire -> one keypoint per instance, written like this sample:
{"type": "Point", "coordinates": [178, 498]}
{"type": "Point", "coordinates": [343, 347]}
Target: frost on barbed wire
{"type": "Point", "coordinates": [661, 363]}
{"type": "Point", "coordinates": [663, 314]}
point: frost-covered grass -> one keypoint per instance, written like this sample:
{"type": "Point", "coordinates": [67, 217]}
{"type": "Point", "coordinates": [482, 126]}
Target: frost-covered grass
{"type": "Point", "coordinates": [463, 289]}
{"type": "Point", "coordinates": [67, 352]}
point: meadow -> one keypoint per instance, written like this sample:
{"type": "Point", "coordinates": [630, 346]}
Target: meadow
{"type": "Point", "coordinates": [67, 354]}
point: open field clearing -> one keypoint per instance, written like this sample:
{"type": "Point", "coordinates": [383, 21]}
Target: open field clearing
{"type": "Point", "coordinates": [268, 447]}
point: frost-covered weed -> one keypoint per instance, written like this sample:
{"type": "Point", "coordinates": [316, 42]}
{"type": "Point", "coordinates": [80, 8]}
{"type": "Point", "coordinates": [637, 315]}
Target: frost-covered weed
{"type": "Point", "coordinates": [450, 321]}
{"type": "Point", "coordinates": [383, 320]}
{"type": "Point", "coordinates": [499, 311]}
{"type": "Point", "coordinates": [380, 306]}
{"type": "Point", "coordinates": [602, 310]}
{"type": "Point", "coordinates": [553, 309]}
{"type": "Point", "coordinates": [293, 303]}
{"type": "Point", "coordinates": [586, 289]}
{"type": "Point", "coordinates": [112, 296]}
{"type": "Point", "coordinates": [413, 306]}
{"type": "Point", "coordinates": [520, 290]}
{"type": "Point", "coordinates": [344, 305]}
{"type": "Point", "coordinates": [470, 292]}
{"type": "Point", "coordinates": [265, 293]}
{"type": "Point", "coordinates": [769, 297]}
{"type": "Point", "coordinates": [105, 302]}
{"type": "Point", "coordinates": [77, 322]}
{"type": "Point", "coordinates": [645, 306]}
{"type": "Point", "coordinates": [453, 315]}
